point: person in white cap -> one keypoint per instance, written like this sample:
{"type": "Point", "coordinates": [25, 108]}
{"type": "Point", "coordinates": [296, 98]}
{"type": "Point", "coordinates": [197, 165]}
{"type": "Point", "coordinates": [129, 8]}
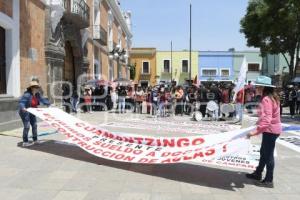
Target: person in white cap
{"type": "Point", "coordinates": [30, 99]}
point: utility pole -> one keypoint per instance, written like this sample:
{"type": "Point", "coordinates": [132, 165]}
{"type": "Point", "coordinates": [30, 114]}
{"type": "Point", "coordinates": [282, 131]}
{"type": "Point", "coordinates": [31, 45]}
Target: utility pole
{"type": "Point", "coordinates": [190, 59]}
{"type": "Point", "coordinates": [171, 62]}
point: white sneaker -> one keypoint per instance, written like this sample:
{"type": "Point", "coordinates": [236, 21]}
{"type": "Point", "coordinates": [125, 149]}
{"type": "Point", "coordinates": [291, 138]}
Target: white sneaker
{"type": "Point", "coordinates": [37, 142]}
{"type": "Point", "coordinates": [26, 144]}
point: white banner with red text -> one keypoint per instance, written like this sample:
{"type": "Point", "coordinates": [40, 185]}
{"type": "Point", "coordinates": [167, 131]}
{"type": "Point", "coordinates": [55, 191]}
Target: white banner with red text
{"type": "Point", "coordinates": [143, 149]}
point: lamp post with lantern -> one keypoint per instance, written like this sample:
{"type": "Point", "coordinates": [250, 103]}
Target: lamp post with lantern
{"type": "Point", "coordinates": [120, 55]}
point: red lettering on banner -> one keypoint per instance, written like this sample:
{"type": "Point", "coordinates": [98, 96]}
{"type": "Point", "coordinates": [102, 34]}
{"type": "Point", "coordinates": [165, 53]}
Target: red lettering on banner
{"type": "Point", "coordinates": [198, 141]}
{"type": "Point", "coordinates": [106, 153]}
{"type": "Point", "coordinates": [97, 151]}
{"type": "Point", "coordinates": [165, 154]}
{"type": "Point", "coordinates": [168, 143]}
{"type": "Point", "coordinates": [74, 139]}
{"type": "Point", "coordinates": [128, 150]}
{"type": "Point", "coordinates": [80, 135]}
{"type": "Point", "coordinates": [151, 154]}
{"type": "Point", "coordinates": [210, 152]}
{"type": "Point", "coordinates": [89, 147]}
{"type": "Point", "coordinates": [139, 140]}
{"type": "Point", "coordinates": [87, 139]}
{"type": "Point", "coordinates": [119, 138]}
{"type": "Point", "coordinates": [149, 141]}
{"type": "Point", "coordinates": [137, 152]}
{"type": "Point", "coordinates": [176, 159]}
{"type": "Point", "coordinates": [68, 135]}
{"type": "Point", "coordinates": [152, 161]}
{"type": "Point", "coordinates": [55, 125]}
{"type": "Point", "coordinates": [80, 124]}
{"type": "Point", "coordinates": [183, 142]}
{"type": "Point", "coordinates": [62, 130]}
{"type": "Point", "coordinates": [143, 160]}
{"type": "Point", "coordinates": [90, 128]}
{"type": "Point", "coordinates": [176, 153]}
{"type": "Point", "coordinates": [129, 139]}
{"type": "Point", "coordinates": [119, 157]}
{"type": "Point", "coordinates": [166, 161]}
{"type": "Point", "coordinates": [187, 158]}
{"type": "Point", "coordinates": [97, 143]}
{"type": "Point", "coordinates": [129, 159]}
{"type": "Point", "coordinates": [108, 135]}
{"type": "Point", "coordinates": [105, 145]}
{"type": "Point", "coordinates": [199, 154]}
{"type": "Point", "coordinates": [82, 144]}
{"type": "Point", "coordinates": [113, 147]}
{"type": "Point", "coordinates": [98, 132]}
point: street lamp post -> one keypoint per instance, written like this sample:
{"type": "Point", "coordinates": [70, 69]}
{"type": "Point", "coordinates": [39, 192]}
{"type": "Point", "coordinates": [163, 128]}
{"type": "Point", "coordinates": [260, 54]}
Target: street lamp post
{"type": "Point", "coordinates": [120, 55]}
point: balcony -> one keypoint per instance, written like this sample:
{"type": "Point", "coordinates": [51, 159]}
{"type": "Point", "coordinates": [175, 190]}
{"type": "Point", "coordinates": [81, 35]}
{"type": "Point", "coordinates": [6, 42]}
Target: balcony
{"type": "Point", "coordinates": [77, 12]}
{"type": "Point", "coordinates": [100, 35]}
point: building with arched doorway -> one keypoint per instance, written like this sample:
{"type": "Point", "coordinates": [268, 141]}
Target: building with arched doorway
{"type": "Point", "coordinates": [58, 41]}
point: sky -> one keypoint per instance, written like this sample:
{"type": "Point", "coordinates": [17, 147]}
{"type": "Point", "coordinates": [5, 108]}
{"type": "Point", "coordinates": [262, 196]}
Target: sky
{"type": "Point", "coordinates": [215, 24]}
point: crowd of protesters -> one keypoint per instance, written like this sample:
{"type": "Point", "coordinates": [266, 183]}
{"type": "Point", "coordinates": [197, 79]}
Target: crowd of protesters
{"type": "Point", "coordinates": [169, 99]}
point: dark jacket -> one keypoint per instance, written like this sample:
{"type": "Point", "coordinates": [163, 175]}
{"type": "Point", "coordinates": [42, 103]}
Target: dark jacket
{"type": "Point", "coordinates": [25, 101]}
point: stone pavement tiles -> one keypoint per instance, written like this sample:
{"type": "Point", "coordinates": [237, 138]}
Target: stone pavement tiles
{"type": "Point", "coordinates": [57, 171]}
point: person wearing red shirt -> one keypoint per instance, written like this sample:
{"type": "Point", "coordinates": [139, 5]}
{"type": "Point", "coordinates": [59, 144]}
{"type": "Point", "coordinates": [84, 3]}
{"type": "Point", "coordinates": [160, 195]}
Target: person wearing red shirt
{"type": "Point", "coordinates": [30, 99]}
{"type": "Point", "coordinates": [239, 106]}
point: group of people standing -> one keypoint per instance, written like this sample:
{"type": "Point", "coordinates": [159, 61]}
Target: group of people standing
{"type": "Point", "coordinates": [268, 124]}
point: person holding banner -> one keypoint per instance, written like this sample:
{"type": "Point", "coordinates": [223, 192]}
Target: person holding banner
{"type": "Point", "coordinates": [30, 99]}
{"type": "Point", "coordinates": [269, 125]}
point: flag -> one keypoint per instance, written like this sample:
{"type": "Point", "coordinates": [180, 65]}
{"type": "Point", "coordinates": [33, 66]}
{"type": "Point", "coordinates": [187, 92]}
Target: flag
{"type": "Point", "coordinates": [241, 78]}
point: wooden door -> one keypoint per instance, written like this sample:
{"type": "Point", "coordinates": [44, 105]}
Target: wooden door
{"type": "Point", "coordinates": [2, 62]}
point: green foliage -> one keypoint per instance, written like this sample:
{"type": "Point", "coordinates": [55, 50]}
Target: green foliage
{"type": "Point", "coordinates": [132, 71]}
{"type": "Point", "coordinates": [274, 27]}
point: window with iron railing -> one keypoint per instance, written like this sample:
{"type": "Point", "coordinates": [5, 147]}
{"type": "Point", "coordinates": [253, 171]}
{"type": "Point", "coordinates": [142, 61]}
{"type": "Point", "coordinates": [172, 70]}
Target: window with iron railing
{"type": "Point", "coordinates": [79, 7]}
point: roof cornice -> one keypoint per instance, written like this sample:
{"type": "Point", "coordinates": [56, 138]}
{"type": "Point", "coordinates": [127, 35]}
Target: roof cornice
{"type": "Point", "coordinates": [119, 16]}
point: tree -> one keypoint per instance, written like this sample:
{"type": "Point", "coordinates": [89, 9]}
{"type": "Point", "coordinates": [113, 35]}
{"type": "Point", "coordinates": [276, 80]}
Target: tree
{"type": "Point", "coordinates": [132, 71]}
{"type": "Point", "coordinates": [274, 27]}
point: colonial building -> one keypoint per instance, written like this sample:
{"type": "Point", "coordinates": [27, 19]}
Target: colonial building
{"type": "Point", "coordinates": [175, 66]}
{"type": "Point", "coordinates": [144, 60]}
{"type": "Point", "coordinates": [215, 66]}
{"type": "Point", "coordinates": [254, 64]}
{"type": "Point", "coordinates": [58, 41]}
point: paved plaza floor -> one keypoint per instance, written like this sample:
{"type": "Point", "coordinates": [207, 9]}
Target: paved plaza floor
{"type": "Point", "coordinates": [55, 170]}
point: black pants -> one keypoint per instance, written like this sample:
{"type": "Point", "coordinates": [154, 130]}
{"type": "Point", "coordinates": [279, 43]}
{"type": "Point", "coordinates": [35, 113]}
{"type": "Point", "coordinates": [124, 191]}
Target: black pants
{"type": "Point", "coordinates": [179, 107]}
{"type": "Point", "coordinates": [292, 107]}
{"type": "Point", "coordinates": [267, 155]}
{"type": "Point", "coordinates": [298, 107]}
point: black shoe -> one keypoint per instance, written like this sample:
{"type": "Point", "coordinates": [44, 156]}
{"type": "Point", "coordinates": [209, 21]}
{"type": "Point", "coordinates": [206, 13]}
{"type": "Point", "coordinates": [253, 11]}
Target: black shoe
{"type": "Point", "coordinates": [265, 183]}
{"type": "Point", "coordinates": [254, 176]}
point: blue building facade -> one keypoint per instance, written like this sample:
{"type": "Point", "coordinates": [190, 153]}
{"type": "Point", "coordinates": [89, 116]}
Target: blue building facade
{"type": "Point", "coordinates": [215, 66]}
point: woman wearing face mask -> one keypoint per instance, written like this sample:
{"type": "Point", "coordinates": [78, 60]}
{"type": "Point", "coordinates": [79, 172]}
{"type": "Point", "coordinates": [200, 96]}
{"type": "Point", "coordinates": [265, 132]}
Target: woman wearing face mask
{"type": "Point", "coordinates": [30, 99]}
{"type": "Point", "coordinates": [269, 125]}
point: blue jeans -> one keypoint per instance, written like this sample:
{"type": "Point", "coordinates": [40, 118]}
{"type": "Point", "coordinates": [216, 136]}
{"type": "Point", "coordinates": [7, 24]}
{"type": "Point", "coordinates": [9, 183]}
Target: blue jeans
{"type": "Point", "coordinates": [121, 104]}
{"type": "Point", "coordinates": [28, 119]}
{"type": "Point", "coordinates": [239, 111]}
{"type": "Point", "coordinates": [161, 109]}
{"type": "Point", "coordinates": [267, 155]}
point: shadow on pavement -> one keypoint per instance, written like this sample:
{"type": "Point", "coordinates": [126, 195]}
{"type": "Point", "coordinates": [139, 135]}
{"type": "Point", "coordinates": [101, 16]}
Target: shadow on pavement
{"type": "Point", "coordinates": [182, 172]}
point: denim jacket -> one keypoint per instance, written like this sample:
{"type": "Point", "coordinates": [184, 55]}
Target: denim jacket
{"type": "Point", "coordinates": [25, 101]}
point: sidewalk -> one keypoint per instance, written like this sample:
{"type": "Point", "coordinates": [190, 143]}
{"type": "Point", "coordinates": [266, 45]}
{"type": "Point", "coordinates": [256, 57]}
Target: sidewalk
{"type": "Point", "coordinates": [58, 171]}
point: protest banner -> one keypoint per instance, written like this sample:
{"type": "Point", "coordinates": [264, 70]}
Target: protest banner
{"type": "Point", "coordinates": [141, 149]}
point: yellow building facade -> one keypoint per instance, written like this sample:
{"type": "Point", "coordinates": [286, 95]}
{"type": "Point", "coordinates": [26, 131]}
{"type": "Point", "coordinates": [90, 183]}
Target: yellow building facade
{"type": "Point", "coordinates": [144, 60]}
{"type": "Point", "coordinates": [175, 65]}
